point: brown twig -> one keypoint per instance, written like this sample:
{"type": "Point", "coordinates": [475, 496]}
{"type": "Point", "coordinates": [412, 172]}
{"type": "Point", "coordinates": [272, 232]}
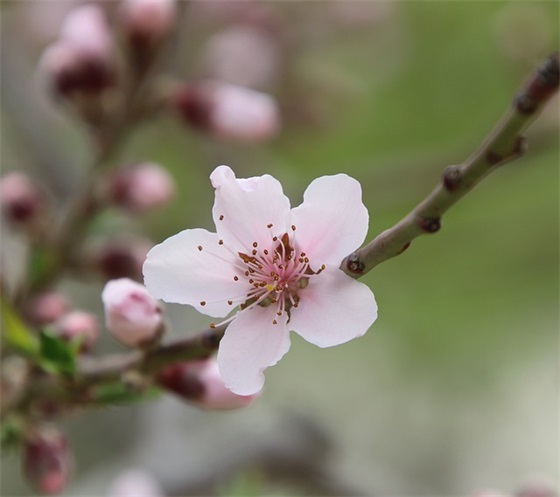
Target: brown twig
{"type": "Point", "coordinates": [505, 143]}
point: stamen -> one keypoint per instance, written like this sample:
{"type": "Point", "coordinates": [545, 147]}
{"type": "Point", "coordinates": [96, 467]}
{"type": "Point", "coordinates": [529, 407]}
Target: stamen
{"type": "Point", "coordinates": [255, 244]}
{"type": "Point", "coordinates": [236, 278]}
{"type": "Point", "coordinates": [293, 227]}
{"type": "Point", "coordinates": [269, 225]}
{"type": "Point", "coordinates": [220, 242]}
{"type": "Point", "coordinates": [222, 217]}
{"type": "Point", "coordinates": [202, 303]}
{"type": "Point", "coordinates": [200, 248]}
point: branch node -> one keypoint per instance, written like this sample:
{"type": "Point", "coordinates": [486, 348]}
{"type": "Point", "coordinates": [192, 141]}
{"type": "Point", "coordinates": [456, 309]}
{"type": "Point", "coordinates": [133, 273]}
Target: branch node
{"type": "Point", "coordinates": [452, 178]}
{"type": "Point", "coordinates": [429, 224]}
{"type": "Point", "coordinates": [354, 264]}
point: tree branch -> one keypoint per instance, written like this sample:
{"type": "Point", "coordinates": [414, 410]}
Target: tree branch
{"type": "Point", "coordinates": [504, 144]}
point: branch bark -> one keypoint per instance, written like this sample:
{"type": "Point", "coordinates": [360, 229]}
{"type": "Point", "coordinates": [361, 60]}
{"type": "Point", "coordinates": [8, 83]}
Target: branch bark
{"type": "Point", "coordinates": [504, 144]}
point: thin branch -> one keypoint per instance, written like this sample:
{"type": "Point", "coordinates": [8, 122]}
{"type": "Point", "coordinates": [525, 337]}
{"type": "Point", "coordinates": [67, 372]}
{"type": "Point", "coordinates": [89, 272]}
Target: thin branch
{"type": "Point", "coordinates": [504, 144]}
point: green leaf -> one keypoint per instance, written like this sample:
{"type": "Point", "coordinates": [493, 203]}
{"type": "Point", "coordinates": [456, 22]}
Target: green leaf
{"type": "Point", "coordinates": [16, 333]}
{"type": "Point", "coordinates": [57, 354]}
{"type": "Point", "coordinates": [10, 433]}
{"type": "Point", "coordinates": [41, 263]}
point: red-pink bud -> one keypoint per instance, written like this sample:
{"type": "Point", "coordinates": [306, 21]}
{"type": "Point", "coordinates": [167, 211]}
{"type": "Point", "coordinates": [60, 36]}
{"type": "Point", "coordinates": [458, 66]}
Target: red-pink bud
{"type": "Point", "coordinates": [228, 111]}
{"type": "Point", "coordinates": [78, 325]}
{"type": "Point", "coordinates": [200, 383]}
{"type": "Point", "coordinates": [86, 28]}
{"type": "Point", "coordinates": [141, 187]}
{"type": "Point", "coordinates": [20, 199]}
{"type": "Point", "coordinates": [46, 461]}
{"type": "Point", "coordinates": [145, 23]}
{"type": "Point", "coordinates": [132, 315]}
{"type": "Point", "coordinates": [121, 258]}
{"type": "Point", "coordinates": [46, 308]}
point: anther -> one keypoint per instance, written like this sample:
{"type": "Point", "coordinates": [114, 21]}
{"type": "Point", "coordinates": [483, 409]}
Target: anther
{"type": "Point", "coordinates": [200, 248]}
{"type": "Point", "coordinates": [254, 252]}
{"type": "Point", "coordinates": [202, 303]}
{"type": "Point", "coordinates": [230, 302]}
{"type": "Point", "coordinates": [222, 217]}
{"type": "Point", "coordinates": [255, 244]}
{"type": "Point", "coordinates": [274, 238]}
{"type": "Point", "coordinates": [274, 321]}
{"type": "Point", "coordinates": [293, 227]}
{"type": "Point", "coordinates": [212, 325]}
{"type": "Point", "coordinates": [220, 242]}
{"type": "Point", "coordinates": [235, 278]}
{"type": "Point", "coordinates": [269, 225]}
{"type": "Point", "coordinates": [265, 252]}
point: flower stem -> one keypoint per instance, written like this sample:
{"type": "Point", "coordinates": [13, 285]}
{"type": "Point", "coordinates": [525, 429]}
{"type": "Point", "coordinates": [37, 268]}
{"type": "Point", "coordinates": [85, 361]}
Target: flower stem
{"type": "Point", "coordinates": [505, 143]}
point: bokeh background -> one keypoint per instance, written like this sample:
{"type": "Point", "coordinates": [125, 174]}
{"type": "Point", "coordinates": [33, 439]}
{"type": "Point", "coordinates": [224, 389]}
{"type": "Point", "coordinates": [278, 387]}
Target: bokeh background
{"type": "Point", "coordinates": [455, 387]}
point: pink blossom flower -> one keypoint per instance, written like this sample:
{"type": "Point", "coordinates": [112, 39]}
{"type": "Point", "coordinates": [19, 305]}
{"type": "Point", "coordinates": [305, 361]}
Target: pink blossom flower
{"type": "Point", "coordinates": [147, 21]}
{"type": "Point", "coordinates": [279, 266]}
{"type": "Point", "coordinates": [132, 316]}
{"type": "Point", "coordinates": [135, 483]}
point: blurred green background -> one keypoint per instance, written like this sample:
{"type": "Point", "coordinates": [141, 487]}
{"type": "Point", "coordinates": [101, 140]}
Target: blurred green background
{"type": "Point", "coordinates": [455, 387]}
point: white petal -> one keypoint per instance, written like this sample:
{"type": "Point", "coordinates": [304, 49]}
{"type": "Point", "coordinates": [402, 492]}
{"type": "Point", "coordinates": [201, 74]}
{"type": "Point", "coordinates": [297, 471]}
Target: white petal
{"type": "Point", "coordinates": [177, 271]}
{"type": "Point", "coordinates": [332, 221]}
{"type": "Point", "coordinates": [244, 208]}
{"type": "Point", "coordinates": [251, 344]}
{"type": "Point", "coordinates": [333, 309]}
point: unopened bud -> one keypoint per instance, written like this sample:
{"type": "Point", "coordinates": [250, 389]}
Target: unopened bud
{"type": "Point", "coordinates": [132, 315]}
{"type": "Point", "coordinates": [86, 28]}
{"type": "Point", "coordinates": [121, 259]}
{"type": "Point", "coordinates": [200, 383]}
{"type": "Point", "coordinates": [140, 188]}
{"type": "Point", "coordinates": [229, 111]}
{"type": "Point", "coordinates": [20, 199]}
{"type": "Point", "coordinates": [78, 325]}
{"type": "Point", "coordinates": [46, 461]}
{"type": "Point", "coordinates": [145, 23]}
{"type": "Point", "coordinates": [46, 308]}
{"type": "Point", "coordinates": [135, 483]}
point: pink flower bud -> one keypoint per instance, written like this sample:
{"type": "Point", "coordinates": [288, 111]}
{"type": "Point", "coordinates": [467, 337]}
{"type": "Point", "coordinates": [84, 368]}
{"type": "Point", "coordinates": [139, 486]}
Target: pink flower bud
{"type": "Point", "coordinates": [145, 23]}
{"type": "Point", "coordinates": [121, 258]}
{"type": "Point", "coordinates": [200, 383]}
{"type": "Point", "coordinates": [141, 188]}
{"type": "Point", "coordinates": [46, 461]}
{"type": "Point", "coordinates": [20, 200]}
{"type": "Point", "coordinates": [132, 315]}
{"type": "Point", "coordinates": [46, 308]}
{"type": "Point", "coordinates": [135, 483]}
{"type": "Point", "coordinates": [86, 28]}
{"type": "Point", "coordinates": [68, 69]}
{"type": "Point", "coordinates": [537, 486]}
{"type": "Point", "coordinates": [229, 111]}
{"type": "Point", "coordinates": [78, 325]}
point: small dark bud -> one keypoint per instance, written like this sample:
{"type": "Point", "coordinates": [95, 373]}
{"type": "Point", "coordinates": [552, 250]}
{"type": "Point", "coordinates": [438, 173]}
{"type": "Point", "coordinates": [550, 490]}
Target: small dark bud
{"type": "Point", "coordinates": [354, 264]}
{"type": "Point", "coordinates": [452, 178]}
{"type": "Point", "coordinates": [121, 259]}
{"type": "Point", "coordinates": [20, 199]}
{"type": "Point", "coordinates": [429, 224]}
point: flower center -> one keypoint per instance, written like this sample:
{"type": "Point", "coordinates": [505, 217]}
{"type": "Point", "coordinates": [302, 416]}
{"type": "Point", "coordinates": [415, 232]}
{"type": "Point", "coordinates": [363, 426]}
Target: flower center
{"type": "Point", "coordinates": [276, 274]}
